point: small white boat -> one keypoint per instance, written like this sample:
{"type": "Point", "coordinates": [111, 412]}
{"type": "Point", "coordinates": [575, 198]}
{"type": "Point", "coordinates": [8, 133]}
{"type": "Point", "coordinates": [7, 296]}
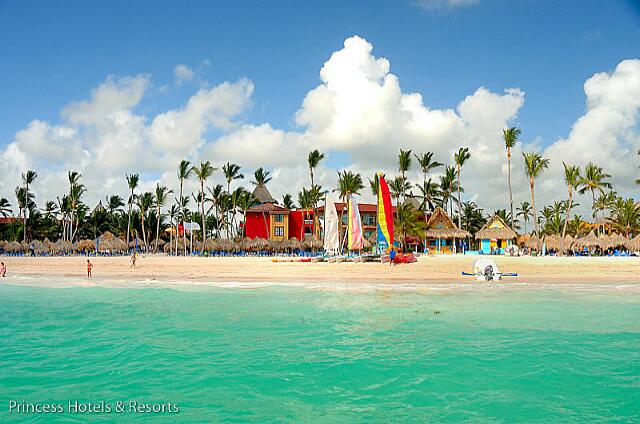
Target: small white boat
{"type": "Point", "coordinates": [486, 269]}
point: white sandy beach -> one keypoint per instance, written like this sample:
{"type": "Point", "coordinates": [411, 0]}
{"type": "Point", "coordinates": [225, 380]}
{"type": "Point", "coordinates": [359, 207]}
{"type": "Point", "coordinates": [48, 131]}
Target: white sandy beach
{"type": "Point", "coordinates": [428, 270]}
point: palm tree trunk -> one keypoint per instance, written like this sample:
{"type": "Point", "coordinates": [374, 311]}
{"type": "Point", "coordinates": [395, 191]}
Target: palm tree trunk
{"type": "Point", "coordinates": [533, 204]}
{"type": "Point", "coordinates": [184, 235]}
{"type": "Point", "coordinates": [24, 216]}
{"type": "Point", "coordinates": [204, 228]}
{"type": "Point", "coordinates": [129, 220]}
{"type": "Point", "coordinates": [510, 192]}
{"type": "Point", "coordinates": [459, 207]}
{"type": "Point", "coordinates": [170, 237]}
{"type": "Point", "coordinates": [157, 227]}
{"type": "Point", "coordinates": [144, 232]}
{"type": "Point", "coordinates": [566, 219]}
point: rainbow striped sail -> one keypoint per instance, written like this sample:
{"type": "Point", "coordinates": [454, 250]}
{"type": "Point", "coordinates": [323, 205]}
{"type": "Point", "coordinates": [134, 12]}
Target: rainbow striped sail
{"type": "Point", "coordinates": [354, 228]}
{"type": "Point", "coordinates": [385, 215]}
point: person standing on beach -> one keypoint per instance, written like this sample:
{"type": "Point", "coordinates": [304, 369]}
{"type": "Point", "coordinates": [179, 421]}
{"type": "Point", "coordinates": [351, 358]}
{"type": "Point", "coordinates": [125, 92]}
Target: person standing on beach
{"type": "Point", "coordinates": [89, 268]}
{"type": "Point", "coordinates": [3, 270]}
{"type": "Point", "coordinates": [133, 260]}
{"type": "Point", "coordinates": [392, 256]}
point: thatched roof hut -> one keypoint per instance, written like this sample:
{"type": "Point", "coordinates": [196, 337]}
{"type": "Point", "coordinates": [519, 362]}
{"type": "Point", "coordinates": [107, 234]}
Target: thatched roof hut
{"type": "Point", "coordinates": [617, 241]}
{"type": "Point", "coordinates": [3, 245]}
{"type": "Point", "coordinates": [246, 244]}
{"type": "Point", "coordinates": [105, 246]}
{"type": "Point", "coordinates": [440, 226]}
{"type": "Point", "coordinates": [278, 245]}
{"type": "Point", "coordinates": [39, 247]}
{"type": "Point", "coordinates": [227, 245]}
{"type": "Point", "coordinates": [496, 229]}
{"type": "Point", "coordinates": [14, 247]}
{"type": "Point", "coordinates": [261, 193]}
{"type": "Point", "coordinates": [588, 241]}
{"type": "Point", "coordinates": [159, 241]}
{"type": "Point", "coordinates": [568, 241]}
{"type": "Point", "coordinates": [209, 245]}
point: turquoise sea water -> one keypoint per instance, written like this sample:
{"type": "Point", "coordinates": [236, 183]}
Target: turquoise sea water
{"type": "Point", "coordinates": [282, 354]}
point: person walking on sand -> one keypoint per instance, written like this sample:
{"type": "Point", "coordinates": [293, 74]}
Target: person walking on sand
{"type": "Point", "coordinates": [3, 270]}
{"type": "Point", "coordinates": [89, 268]}
{"type": "Point", "coordinates": [133, 260]}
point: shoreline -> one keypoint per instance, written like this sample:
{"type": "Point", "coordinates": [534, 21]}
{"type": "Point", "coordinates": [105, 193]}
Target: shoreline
{"type": "Point", "coordinates": [429, 273]}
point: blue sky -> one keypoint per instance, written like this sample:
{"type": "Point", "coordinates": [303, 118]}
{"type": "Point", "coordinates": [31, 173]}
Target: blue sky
{"type": "Point", "coordinates": [84, 81]}
{"type": "Point", "coordinates": [56, 52]}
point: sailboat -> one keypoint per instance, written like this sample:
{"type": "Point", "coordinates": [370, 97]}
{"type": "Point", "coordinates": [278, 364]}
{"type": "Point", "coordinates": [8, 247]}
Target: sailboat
{"type": "Point", "coordinates": [331, 227]}
{"type": "Point", "coordinates": [385, 216]}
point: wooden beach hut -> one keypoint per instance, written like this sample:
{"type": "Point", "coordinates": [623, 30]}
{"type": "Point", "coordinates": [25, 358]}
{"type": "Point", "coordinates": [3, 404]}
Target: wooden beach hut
{"type": "Point", "coordinates": [495, 236]}
{"type": "Point", "coordinates": [441, 233]}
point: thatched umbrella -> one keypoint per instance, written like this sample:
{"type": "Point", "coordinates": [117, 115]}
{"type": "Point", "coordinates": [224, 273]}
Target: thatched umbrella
{"type": "Point", "coordinates": [24, 246]}
{"type": "Point", "coordinates": [137, 241]}
{"type": "Point", "coordinates": [554, 242]}
{"type": "Point", "coordinates": [209, 245]}
{"type": "Point", "coordinates": [105, 246]}
{"type": "Point", "coordinates": [616, 240]}
{"type": "Point", "coordinates": [534, 243]}
{"type": "Point", "coordinates": [634, 244]}
{"type": "Point", "coordinates": [313, 243]}
{"type": "Point", "coordinates": [246, 244]}
{"type": "Point", "coordinates": [278, 245]}
{"type": "Point", "coordinates": [87, 245]}
{"type": "Point", "coordinates": [3, 245]}
{"type": "Point", "coordinates": [159, 241]}
{"type": "Point", "coordinates": [47, 245]}
{"type": "Point", "coordinates": [294, 244]}
{"type": "Point", "coordinates": [39, 247]}
{"type": "Point", "coordinates": [567, 241]}
{"type": "Point", "coordinates": [167, 248]}
{"type": "Point", "coordinates": [14, 247]}
{"type": "Point", "coordinates": [605, 241]}
{"type": "Point", "coordinates": [227, 245]}
{"type": "Point", "coordinates": [119, 245]}
{"type": "Point", "coordinates": [261, 244]}
{"type": "Point", "coordinates": [589, 241]}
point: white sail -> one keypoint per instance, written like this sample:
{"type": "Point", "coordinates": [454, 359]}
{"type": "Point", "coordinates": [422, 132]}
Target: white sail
{"type": "Point", "coordinates": [331, 228]}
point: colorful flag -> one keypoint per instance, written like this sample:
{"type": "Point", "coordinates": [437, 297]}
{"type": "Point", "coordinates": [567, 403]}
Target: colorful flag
{"type": "Point", "coordinates": [355, 226]}
{"type": "Point", "coordinates": [385, 214]}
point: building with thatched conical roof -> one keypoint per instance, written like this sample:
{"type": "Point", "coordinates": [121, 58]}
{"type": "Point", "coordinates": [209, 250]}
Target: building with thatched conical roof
{"type": "Point", "coordinates": [495, 235]}
{"type": "Point", "coordinates": [262, 195]}
{"type": "Point", "coordinates": [441, 232]}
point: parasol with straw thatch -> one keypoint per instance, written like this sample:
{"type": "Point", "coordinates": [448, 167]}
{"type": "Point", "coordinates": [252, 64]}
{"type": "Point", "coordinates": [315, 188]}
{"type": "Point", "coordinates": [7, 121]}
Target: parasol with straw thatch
{"type": "Point", "coordinates": [634, 244]}
{"type": "Point", "coordinates": [605, 241]}
{"type": "Point", "coordinates": [105, 246]}
{"type": "Point", "coordinates": [312, 243]}
{"type": "Point", "coordinates": [261, 244]}
{"type": "Point", "coordinates": [86, 245]}
{"type": "Point", "coordinates": [554, 242]}
{"type": "Point", "coordinates": [159, 241]}
{"type": "Point", "coordinates": [278, 245]}
{"type": "Point", "coordinates": [3, 245]}
{"type": "Point", "coordinates": [227, 245]}
{"type": "Point", "coordinates": [294, 244]}
{"type": "Point", "coordinates": [209, 245]}
{"type": "Point", "coordinates": [246, 244]}
{"type": "Point", "coordinates": [616, 240]}
{"type": "Point", "coordinates": [534, 243]}
{"type": "Point", "coordinates": [14, 247]}
{"type": "Point", "coordinates": [568, 240]}
{"type": "Point", "coordinates": [588, 241]}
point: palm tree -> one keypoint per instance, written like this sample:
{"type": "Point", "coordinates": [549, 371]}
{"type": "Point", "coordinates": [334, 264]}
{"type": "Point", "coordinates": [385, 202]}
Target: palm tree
{"type": "Point", "coordinates": [287, 201]}
{"type": "Point", "coordinates": [184, 171]}
{"type": "Point", "coordinates": [594, 180]}
{"type": "Point", "coordinates": [114, 203]}
{"type": "Point", "coordinates": [348, 183]}
{"type": "Point", "coordinates": [638, 179]}
{"type": "Point", "coordinates": [173, 213]}
{"type": "Point", "coordinates": [447, 182]}
{"type": "Point", "coordinates": [571, 179]}
{"type": "Point", "coordinates": [427, 164]}
{"type": "Point", "coordinates": [231, 172]}
{"type": "Point", "coordinates": [404, 163]}
{"type": "Point", "coordinates": [460, 158]}
{"type": "Point", "coordinates": [5, 207]}
{"type": "Point", "coordinates": [145, 202]}
{"type": "Point", "coordinates": [429, 191]}
{"type": "Point", "coordinates": [162, 195]}
{"type": "Point", "coordinates": [203, 172]}
{"type": "Point", "coordinates": [407, 223]}
{"type": "Point", "coordinates": [524, 212]}
{"type": "Point", "coordinates": [132, 182]}
{"type": "Point", "coordinates": [314, 159]}
{"type": "Point", "coordinates": [397, 187]}
{"type": "Point", "coordinates": [510, 136]}
{"type": "Point", "coordinates": [246, 201]}
{"type": "Point", "coordinates": [27, 178]}
{"type": "Point", "coordinates": [261, 177]}
{"type": "Point", "coordinates": [76, 190]}
{"type": "Point", "coordinates": [305, 200]}
{"type": "Point", "coordinates": [534, 164]}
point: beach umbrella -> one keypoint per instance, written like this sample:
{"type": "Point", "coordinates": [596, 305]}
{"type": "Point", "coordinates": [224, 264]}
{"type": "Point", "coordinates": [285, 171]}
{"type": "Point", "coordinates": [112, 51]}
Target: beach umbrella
{"type": "Point", "coordinates": [554, 242]}
{"type": "Point", "coordinates": [86, 244]}
{"type": "Point", "coordinates": [294, 244]}
{"type": "Point", "coordinates": [39, 247]}
{"type": "Point", "coordinates": [534, 243]}
{"type": "Point", "coordinates": [568, 240]}
{"type": "Point", "coordinates": [105, 246]}
{"type": "Point", "coordinates": [604, 241]}
{"type": "Point", "coordinates": [246, 244]}
{"type": "Point", "coordinates": [159, 241]}
{"type": "Point", "coordinates": [24, 246]}
{"type": "Point", "coordinates": [634, 244]}
{"type": "Point", "coordinates": [261, 244]}
{"type": "Point", "coordinates": [616, 240]}
{"type": "Point", "coordinates": [14, 247]}
{"type": "Point", "coordinates": [588, 241]}
{"type": "Point", "coordinates": [3, 245]}
{"type": "Point", "coordinates": [227, 245]}
{"type": "Point", "coordinates": [311, 242]}
{"type": "Point", "coordinates": [117, 244]}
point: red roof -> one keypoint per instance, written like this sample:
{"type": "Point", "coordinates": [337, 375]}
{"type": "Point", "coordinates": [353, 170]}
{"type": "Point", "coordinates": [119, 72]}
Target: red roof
{"type": "Point", "coordinates": [268, 207]}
